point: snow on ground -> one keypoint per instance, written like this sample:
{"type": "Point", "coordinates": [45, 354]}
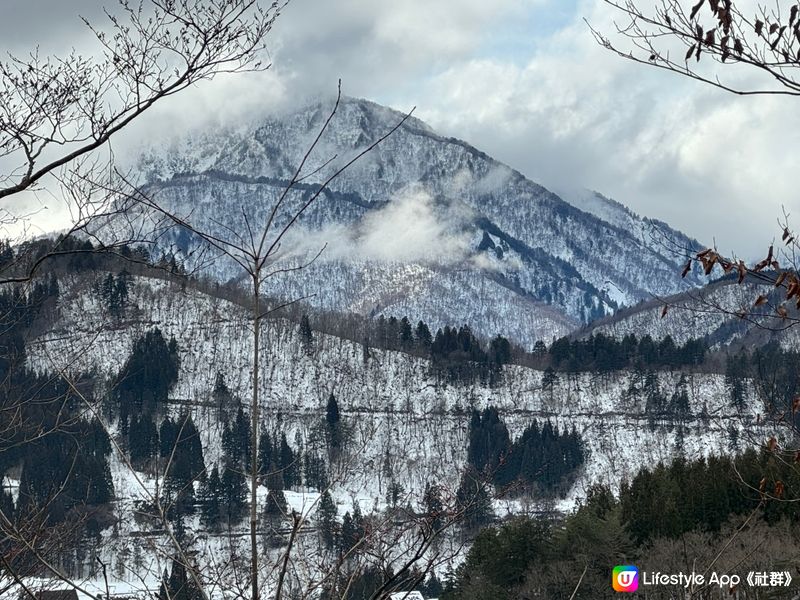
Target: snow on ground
{"type": "Point", "coordinates": [404, 425]}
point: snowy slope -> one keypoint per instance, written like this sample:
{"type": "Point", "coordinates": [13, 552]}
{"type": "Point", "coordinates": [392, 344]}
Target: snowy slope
{"type": "Point", "coordinates": [480, 231]}
{"type": "Point", "coordinates": [711, 313]}
{"type": "Point", "coordinates": [404, 425]}
{"type": "Point", "coordinates": [394, 403]}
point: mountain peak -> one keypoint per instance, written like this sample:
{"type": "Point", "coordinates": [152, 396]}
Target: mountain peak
{"type": "Point", "coordinates": [406, 227]}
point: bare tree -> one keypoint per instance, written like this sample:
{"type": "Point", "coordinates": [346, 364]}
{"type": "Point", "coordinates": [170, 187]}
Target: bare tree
{"type": "Point", "coordinates": [57, 112]}
{"type": "Point", "coordinates": [255, 252]}
{"type": "Point", "coordinates": [676, 36]}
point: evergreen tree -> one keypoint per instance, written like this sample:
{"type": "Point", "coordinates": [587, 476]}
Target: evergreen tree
{"type": "Point", "coordinates": [148, 374]}
{"type": "Point", "coordinates": [473, 500]}
{"type": "Point", "coordinates": [326, 519]}
{"type": "Point", "coordinates": [236, 441]}
{"type": "Point", "coordinates": [142, 440]}
{"type": "Point", "coordinates": [179, 486]}
{"type": "Point", "coordinates": [234, 494]}
{"type": "Point", "coordinates": [6, 504]}
{"type": "Point", "coordinates": [434, 506]}
{"type": "Point", "coordinates": [163, 590]}
{"type": "Point", "coordinates": [223, 398]}
{"type": "Point", "coordinates": [306, 335]}
{"type": "Point", "coordinates": [180, 586]}
{"type": "Point", "coordinates": [276, 506]}
{"type": "Point", "coordinates": [211, 499]}
{"type": "Point", "coordinates": [315, 471]}
{"type": "Point", "coordinates": [332, 412]}
{"type": "Point", "coordinates": [679, 404]}
{"type": "Point", "coordinates": [352, 530]}
{"type": "Point", "coordinates": [500, 351]}
{"type": "Point", "coordinates": [422, 337]}
{"type": "Point", "coordinates": [549, 379]}
{"type": "Point", "coordinates": [406, 335]}
{"type": "Point", "coordinates": [267, 455]}
{"type": "Point", "coordinates": [189, 443]}
{"type": "Point", "coordinates": [394, 493]}
{"type": "Point", "coordinates": [288, 464]}
{"type": "Point", "coordinates": [332, 423]}
{"type": "Point", "coordinates": [168, 437]}
{"type": "Point", "coordinates": [488, 439]}
{"type": "Point", "coordinates": [736, 372]}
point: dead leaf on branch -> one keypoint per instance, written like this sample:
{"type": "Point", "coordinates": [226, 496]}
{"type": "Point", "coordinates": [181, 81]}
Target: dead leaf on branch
{"type": "Point", "coordinates": [695, 9]}
{"type": "Point", "coordinates": [779, 489]}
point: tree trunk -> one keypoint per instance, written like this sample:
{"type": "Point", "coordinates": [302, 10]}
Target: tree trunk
{"type": "Point", "coordinates": [254, 412]}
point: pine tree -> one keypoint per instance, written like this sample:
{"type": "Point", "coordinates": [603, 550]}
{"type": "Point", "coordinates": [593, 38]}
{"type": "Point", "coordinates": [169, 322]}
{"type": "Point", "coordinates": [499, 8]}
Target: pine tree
{"type": "Point", "coordinates": [236, 441]}
{"type": "Point", "coordinates": [266, 454]}
{"type": "Point", "coordinates": [315, 471]}
{"type": "Point", "coordinates": [163, 590]}
{"type": "Point", "coordinates": [189, 443]}
{"type": "Point", "coordinates": [488, 439]}
{"type": "Point", "coordinates": [406, 334]}
{"type": "Point", "coordinates": [168, 437]}
{"type": "Point", "coordinates": [178, 486]}
{"type": "Point", "coordinates": [326, 518]}
{"type": "Point", "coordinates": [422, 337]}
{"type": "Point", "coordinates": [234, 494]}
{"type": "Point", "coordinates": [276, 504]}
{"type": "Point", "coordinates": [500, 351]}
{"type": "Point", "coordinates": [180, 586]}
{"type": "Point", "coordinates": [347, 539]}
{"type": "Point", "coordinates": [142, 439]}
{"type": "Point", "coordinates": [148, 374]}
{"type": "Point", "coordinates": [6, 504]}
{"type": "Point", "coordinates": [242, 430]}
{"type": "Point", "coordinates": [394, 493]}
{"type": "Point", "coordinates": [306, 335]}
{"type": "Point", "coordinates": [288, 464]}
{"type": "Point", "coordinates": [211, 499]}
{"type": "Point", "coordinates": [434, 506]}
{"type": "Point", "coordinates": [224, 401]}
{"type": "Point", "coordinates": [473, 500]}
{"type": "Point", "coordinates": [549, 379]}
{"type": "Point", "coordinates": [332, 421]}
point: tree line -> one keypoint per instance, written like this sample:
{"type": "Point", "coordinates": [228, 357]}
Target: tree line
{"type": "Point", "coordinates": [666, 515]}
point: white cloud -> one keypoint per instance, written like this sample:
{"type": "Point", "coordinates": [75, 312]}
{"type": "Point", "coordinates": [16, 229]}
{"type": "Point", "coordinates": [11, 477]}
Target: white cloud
{"type": "Point", "coordinates": [574, 114]}
{"type": "Point", "coordinates": [557, 107]}
{"type": "Point", "coordinates": [411, 227]}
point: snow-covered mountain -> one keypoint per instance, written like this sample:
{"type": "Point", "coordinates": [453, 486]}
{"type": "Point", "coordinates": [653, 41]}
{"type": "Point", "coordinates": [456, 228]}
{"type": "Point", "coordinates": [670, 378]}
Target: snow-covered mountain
{"type": "Point", "coordinates": [424, 225]}
{"type": "Point", "coordinates": [722, 313]}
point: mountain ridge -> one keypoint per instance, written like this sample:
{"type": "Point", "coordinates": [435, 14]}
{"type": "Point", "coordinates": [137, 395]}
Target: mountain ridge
{"type": "Point", "coordinates": [435, 196]}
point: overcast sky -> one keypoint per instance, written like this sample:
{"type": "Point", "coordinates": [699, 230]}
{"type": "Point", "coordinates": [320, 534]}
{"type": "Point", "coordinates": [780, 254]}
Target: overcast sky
{"type": "Point", "coordinates": [522, 80]}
